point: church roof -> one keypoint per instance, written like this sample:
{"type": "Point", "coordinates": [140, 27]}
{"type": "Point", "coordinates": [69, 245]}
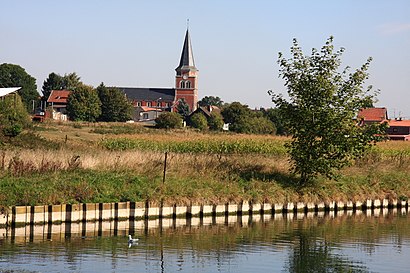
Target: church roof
{"type": "Point", "coordinates": [149, 94]}
{"type": "Point", "coordinates": [187, 56]}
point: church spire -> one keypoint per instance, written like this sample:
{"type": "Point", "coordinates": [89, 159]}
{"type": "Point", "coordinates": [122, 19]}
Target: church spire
{"type": "Point", "coordinates": [186, 62]}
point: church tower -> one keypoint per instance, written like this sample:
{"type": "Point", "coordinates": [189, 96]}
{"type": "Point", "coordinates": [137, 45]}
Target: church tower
{"type": "Point", "coordinates": [186, 80]}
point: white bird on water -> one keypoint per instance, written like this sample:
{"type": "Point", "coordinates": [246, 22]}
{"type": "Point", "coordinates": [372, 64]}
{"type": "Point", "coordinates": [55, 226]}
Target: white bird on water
{"type": "Point", "coordinates": [131, 241]}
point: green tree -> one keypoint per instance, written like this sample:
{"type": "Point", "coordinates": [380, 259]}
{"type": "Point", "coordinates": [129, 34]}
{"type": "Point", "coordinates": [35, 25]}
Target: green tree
{"type": "Point", "coordinates": [211, 101]}
{"type": "Point", "coordinates": [275, 115]}
{"type": "Point", "coordinates": [253, 125]}
{"type": "Point", "coordinates": [215, 121]}
{"type": "Point", "coordinates": [323, 102]}
{"type": "Point", "coordinates": [114, 105]}
{"type": "Point", "coordinates": [12, 75]}
{"type": "Point", "coordinates": [199, 121]}
{"type": "Point", "coordinates": [83, 104]}
{"type": "Point", "coordinates": [235, 111]}
{"type": "Point", "coordinates": [183, 108]}
{"type": "Point", "coordinates": [13, 115]}
{"type": "Point", "coordinates": [71, 81]}
{"type": "Point", "coordinates": [53, 82]}
{"type": "Point", "coordinates": [169, 120]}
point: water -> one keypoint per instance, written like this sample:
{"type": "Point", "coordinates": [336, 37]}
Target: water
{"type": "Point", "coordinates": [377, 241]}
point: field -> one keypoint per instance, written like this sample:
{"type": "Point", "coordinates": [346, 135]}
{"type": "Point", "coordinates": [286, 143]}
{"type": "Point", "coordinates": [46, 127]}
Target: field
{"type": "Point", "coordinates": [70, 163]}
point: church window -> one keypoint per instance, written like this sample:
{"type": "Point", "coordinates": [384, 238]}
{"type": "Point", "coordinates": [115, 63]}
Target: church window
{"type": "Point", "coordinates": [138, 103]}
{"type": "Point", "coordinates": [149, 104]}
{"type": "Point", "coordinates": [158, 104]}
{"type": "Point", "coordinates": [182, 84]}
{"type": "Point", "coordinates": [187, 84]}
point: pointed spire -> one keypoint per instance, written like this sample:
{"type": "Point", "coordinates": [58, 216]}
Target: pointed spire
{"type": "Point", "coordinates": [186, 62]}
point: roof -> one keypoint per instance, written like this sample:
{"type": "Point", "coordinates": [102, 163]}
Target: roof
{"type": "Point", "coordinates": [399, 123]}
{"type": "Point", "coordinates": [8, 90]}
{"type": "Point", "coordinates": [149, 94]}
{"type": "Point", "coordinates": [150, 109]}
{"type": "Point", "coordinates": [187, 56]}
{"type": "Point", "coordinates": [372, 114]}
{"type": "Point", "coordinates": [207, 110]}
{"type": "Point", "coordinates": [59, 96]}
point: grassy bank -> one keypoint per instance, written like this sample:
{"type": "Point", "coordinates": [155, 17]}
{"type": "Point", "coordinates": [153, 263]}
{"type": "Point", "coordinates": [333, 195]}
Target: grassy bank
{"type": "Point", "coordinates": [80, 163]}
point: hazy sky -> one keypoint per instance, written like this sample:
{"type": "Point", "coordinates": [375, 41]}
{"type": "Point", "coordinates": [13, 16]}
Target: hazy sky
{"type": "Point", "coordinates": [235, 43]}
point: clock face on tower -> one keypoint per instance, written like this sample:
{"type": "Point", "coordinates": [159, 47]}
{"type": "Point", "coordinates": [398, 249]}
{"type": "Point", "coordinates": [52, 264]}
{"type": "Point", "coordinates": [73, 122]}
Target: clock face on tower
{"type": "Point", "coordinates": [185, 76]}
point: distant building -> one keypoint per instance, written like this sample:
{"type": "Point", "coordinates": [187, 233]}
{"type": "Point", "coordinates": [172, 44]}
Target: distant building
{"type": "Point", "coordinates": [57, 101]}
{"type": "Point", "coordinates": [399, 129]}
{"type": "Point", "coordinates": [166, 99]}
{"type": "Point", "coordinates": [372, 115]}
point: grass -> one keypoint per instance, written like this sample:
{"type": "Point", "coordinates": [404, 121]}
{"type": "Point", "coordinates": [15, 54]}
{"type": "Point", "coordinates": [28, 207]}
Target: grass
{"type": "Point", "coordinates": [73, 163]}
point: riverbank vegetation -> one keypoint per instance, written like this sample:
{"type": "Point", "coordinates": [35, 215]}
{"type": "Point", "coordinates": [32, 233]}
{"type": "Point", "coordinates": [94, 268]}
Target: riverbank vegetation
{"type": "Point", "coordinates": [108, 162]}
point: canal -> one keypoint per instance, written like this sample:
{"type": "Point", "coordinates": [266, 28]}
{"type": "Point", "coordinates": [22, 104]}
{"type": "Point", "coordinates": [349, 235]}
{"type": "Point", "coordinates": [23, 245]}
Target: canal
{"type": "Point", "coordinates": [369, 241]}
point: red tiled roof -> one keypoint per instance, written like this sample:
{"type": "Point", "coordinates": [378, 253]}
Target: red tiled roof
{"type": "Point", "coordinates": [372, 114]}
{"type": "Point", "coordinates": [58, 96]}
{"type": "Point", "coordinates": [148, 109]}
{"type": "Point", "coordinates": [399, 123]}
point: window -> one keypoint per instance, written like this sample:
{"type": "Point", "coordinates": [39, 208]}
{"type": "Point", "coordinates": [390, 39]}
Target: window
{"type": "Point", "coordinates": [145, 116]}
{"type": "Point", "coordinates": [182, 84]}
{"type": "Point", "coordinates": [187, 84]}
{"type": "Point", "coordinates": [395, 130]}
{"type": "Point", "coordinates": [138, 103]}
{"type": "Point", "coordinates": [149, 104]}
{"type": "Point", "coordinates": [167, 104]}
{"type": "Point", "coordinates": [158, 104]}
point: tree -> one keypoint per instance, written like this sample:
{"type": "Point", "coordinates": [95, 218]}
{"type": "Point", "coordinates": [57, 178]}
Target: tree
{"type": "Point", "coordinates": [235, 111]}
{"type": "Point", "coordinates": [53, 82]}
{"type": "Point", "coordinates": [275, 115]}
{"type": "Point", "coordinates": [169, 120]}
{"type": "Point", "coordinates": [83, 104]}
{"type": "Point", "coordinates": [183, 108]}
{"type": "Point", "coordinates": [12, 75]}
{"type": "Point", "coordinates": [320, 112]}
{"type": "Point", "coordinates": [114, 105]}
{"type": "Point", "coordinates": [253, 125]}
{"type": "Point", "coordinates": [13, 115]}
{"type": "Point", "coordinates": [215, 121]}
{"type": "Point", "coordinates": [199, 121]}
{"type": "Point", "coordinates": [211, 101]}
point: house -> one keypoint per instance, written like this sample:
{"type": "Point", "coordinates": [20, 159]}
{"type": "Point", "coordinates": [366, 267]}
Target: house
{"type": "Point", "coordinates": [146, 114]}
{"type": "Point", "coordinates": [372, 115]}
{"type": "Point", "coordinates": [207, 110]}
{"type": "Point", "coordinates": [58, 103]}
{"type": "Point", "coordinates": [166, 99]}
{"type": "Point", "coordinates": [399, 129]}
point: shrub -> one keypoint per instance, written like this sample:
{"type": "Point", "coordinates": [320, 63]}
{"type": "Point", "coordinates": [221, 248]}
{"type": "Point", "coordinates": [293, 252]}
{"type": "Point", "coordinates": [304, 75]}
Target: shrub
{"type": "Point", "coordinates": [198, 120]}
{"type": "Point", "coordinates": [169, 120]}
{"type": "Point", "coordinates": [216, 121]}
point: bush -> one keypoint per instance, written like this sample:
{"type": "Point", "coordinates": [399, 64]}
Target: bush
{"type": "Point", "coordinates": [12, 130]}
{"type": "Point", "coordinates": [198, 120]}
{"type": "Point", "coordinates": [13, 115]}
{"type": "Point", "coordinates": [253, 125]}
{"type": "Point", "coordinates": [216, 121]}
{"type": "Point", "coordinates": [169, 120]}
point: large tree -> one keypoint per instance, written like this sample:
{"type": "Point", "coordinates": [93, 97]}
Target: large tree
{"type": "Point", "coordinates": [114, 105]}
{"type": "Point", "coordinates": [211, 101]}
{"type": "Point", "coordinates": [83, 104]}
{"type": "Point", "coordinates": [70, 81]}
{"type": "Point", "coordinates": [12, 75]}
{"type": "Point", "coordinates": [183, 108]}
{"type": "Point", "coordinates": [321, 109]}
{"type": "Point", "coordinates": [13, 115]}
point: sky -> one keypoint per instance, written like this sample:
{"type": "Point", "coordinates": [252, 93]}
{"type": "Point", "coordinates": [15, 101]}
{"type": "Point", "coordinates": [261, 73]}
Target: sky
{"type": "Point", "coordinates": [235, 42]}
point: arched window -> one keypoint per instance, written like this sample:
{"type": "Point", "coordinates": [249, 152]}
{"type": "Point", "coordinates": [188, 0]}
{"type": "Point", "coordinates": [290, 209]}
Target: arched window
{"type": "Point", "coordinates": [187, 84]}
{"type": "Point", "coordinates": [158, 104]}
{"type": "Point", "coordinates": [138, 103]}
{"type": "Point", "coordinates": [182, 84]}
{"type": "Point", "coordinates": [149, 104]}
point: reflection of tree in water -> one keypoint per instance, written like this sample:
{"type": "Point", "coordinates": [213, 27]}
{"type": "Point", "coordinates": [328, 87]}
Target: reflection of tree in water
{"type": "Point", "coordinates": [311, 254]}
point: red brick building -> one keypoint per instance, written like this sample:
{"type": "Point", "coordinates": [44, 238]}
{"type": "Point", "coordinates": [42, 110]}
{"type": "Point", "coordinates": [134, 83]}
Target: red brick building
{"type": "Point", "coordinates": [166, 99]}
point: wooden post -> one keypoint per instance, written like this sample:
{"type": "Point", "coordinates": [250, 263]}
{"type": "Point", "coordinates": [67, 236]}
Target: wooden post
{"type": "Point", "coordinates": [165, 167]}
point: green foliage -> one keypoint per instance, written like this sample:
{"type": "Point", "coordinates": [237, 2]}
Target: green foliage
{"type": "Point", "coordinates": [253, 125]}
{"type": "Point", "coordinates": [199, 121]}
{"type": "Point", "coordinates": [211, 101]}
{"type": "Point", "coordinates": [13, 115]}
{"type": "Point", "coordinates": [234, 112]}
{"type": "Point", "coordinates": [114, 105]}
{"type": "Point", "coordinates": [275, 115]}
{"type": "Point", "coordinates": [168, 120]}
{"type": "Point", "coordinates": [215, 121]}
{"type": "Point", "coordinates": [83, 104]}
{"type": "Point", "coordinates": [12, 75]}
{"type": "Point", "coordinates": [321, 109]}
{"type": "Point", "coordinates": [183, 108]}
{"type": "Point", "coordinates": [55, 81]}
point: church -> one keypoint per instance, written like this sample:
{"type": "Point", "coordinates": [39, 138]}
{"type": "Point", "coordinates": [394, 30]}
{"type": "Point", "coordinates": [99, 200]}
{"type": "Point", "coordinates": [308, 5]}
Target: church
{"type": "Point", "coordinates": [149, 102]}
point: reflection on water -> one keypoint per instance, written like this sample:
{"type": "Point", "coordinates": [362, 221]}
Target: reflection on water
{"type": "Point", "coordinates": [374, 241]}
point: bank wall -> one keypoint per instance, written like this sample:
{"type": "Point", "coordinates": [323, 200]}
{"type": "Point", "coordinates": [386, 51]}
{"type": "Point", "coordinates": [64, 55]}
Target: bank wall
{"type": "Point", "coordinates": [75, 213]}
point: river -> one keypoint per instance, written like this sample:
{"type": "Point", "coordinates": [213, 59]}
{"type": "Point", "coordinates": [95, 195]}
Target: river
{"type": "Point", "coordinates": [370, 241]}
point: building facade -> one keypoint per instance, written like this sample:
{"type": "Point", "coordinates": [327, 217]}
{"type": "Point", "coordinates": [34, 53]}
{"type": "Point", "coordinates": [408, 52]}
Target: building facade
{"type": "Point", "coordinates": [167, 99]}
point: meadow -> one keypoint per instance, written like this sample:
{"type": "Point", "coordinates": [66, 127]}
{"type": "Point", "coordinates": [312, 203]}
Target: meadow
{"type": "Point", "coordinates": [57, 163]}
